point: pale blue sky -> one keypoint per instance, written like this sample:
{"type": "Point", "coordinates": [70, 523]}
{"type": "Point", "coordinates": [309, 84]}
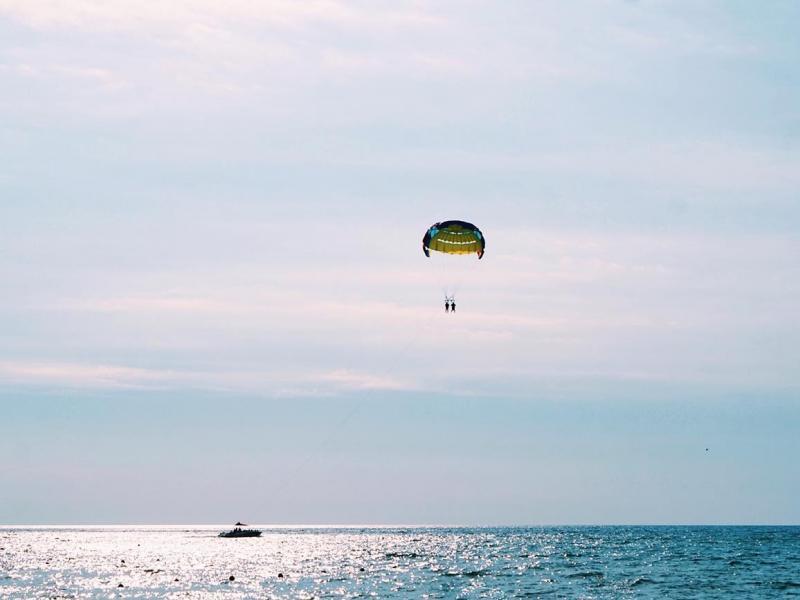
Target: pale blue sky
{"type": "Point", "coordinates": [210, 226]}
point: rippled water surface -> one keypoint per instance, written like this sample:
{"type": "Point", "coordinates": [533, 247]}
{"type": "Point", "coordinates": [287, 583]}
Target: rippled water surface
{"type": "Point", "coordinates": [580, 562]}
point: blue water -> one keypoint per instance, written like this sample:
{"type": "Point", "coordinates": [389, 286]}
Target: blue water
{"type": "Point", "coordinates": [560, 562]}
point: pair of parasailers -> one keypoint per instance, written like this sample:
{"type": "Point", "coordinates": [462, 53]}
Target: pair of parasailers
{"type": "Point", "coordinates": [453, 237]}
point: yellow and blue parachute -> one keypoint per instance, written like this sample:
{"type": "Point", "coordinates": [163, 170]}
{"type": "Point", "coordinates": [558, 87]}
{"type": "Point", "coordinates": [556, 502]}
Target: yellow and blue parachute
{"type": "Point", "coordinates": [454, 237]}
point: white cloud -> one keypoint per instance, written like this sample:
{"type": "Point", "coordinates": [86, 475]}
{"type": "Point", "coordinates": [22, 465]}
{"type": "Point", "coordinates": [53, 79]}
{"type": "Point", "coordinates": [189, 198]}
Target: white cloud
{"type": "Point", "coordinates": [81, 375]}
{"type": "Point", "coordinates": [282, 383]}
{"type": "Point", "coordinates": [351, 380]}
{"type": "Point", "coordinates": [313, 103]}
{"type": "Point", "coordinates": [544, 304]}
{"type": "Point", "coordinates": [273, 54]}
{"type": "Point", "coordinates": [703, 163]}
{"type": "Point", "coordinates": [132, 15]}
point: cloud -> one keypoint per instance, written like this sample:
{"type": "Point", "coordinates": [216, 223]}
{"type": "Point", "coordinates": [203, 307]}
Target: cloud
{"type": "Point", "coordinates": [273, 56]}
{"type": "Point", "coordinates": [543, 304]}
{"type": "Point", "coordinates": [351, 380]}
{"type": "Point", "coordinates": [700, 163]}
{"type": "Point", "coordinates": [129, 14]}
{"type": "Point", "coordinates": [81, 375]}
{"type": "Point", "coordinates": [163, 56]}
{"type": "Point", "coordinates": [277, 383]}
{"type": "Point", "coordinates": [87, 75]}
{"type": "Point", "coordinates": [170, 237]}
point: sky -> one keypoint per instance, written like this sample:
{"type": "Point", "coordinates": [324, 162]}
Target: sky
{"type": "Point", "coordinates": [214, 305]}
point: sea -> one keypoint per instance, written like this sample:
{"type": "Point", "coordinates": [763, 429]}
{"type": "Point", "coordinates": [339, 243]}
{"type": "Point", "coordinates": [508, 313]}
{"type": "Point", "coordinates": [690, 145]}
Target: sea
{"type": "Point", "coordinates": [401, 562]}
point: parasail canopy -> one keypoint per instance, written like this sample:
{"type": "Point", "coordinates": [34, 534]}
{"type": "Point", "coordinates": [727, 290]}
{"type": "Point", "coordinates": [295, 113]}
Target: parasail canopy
{"type": "Point", "coordinates": [454, 237]}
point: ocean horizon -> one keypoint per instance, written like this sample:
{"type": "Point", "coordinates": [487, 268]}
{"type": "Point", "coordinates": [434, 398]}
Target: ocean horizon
{"type": "Point", "coordinates": [387, 525]}
{"type": "Point", "coordinates": [412, 561]}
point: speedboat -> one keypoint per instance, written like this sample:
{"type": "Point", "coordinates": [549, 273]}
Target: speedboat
{"type": "Point", "coordinates": [237, 532]}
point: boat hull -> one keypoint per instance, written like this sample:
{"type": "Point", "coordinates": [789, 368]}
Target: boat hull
{"type": "Point", "coordinates": [237, 533]}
